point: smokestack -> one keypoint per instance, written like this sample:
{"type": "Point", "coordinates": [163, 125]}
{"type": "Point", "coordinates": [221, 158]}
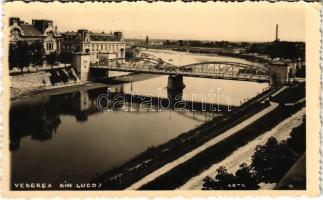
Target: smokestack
{"type": "Point", "coordinates": [277, 32]}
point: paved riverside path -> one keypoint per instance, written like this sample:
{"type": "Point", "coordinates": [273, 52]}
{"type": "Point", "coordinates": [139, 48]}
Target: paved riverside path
{"type": "Point", "coordinates": [150, 177]}
{"type": "Point", "coordinates": [244, 153]}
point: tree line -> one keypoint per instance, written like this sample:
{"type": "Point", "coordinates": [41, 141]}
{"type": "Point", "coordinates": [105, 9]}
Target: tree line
{"type": "Point", "coordinates": [24, 54]}
{"type": "Point", "coordinates": [198, 43]}
{"type": "Point", "coordinates": [280, 49]}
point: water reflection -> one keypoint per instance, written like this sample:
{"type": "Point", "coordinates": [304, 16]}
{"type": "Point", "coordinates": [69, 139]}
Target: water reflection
{"type": "Point", "coordinates": [41, 116]}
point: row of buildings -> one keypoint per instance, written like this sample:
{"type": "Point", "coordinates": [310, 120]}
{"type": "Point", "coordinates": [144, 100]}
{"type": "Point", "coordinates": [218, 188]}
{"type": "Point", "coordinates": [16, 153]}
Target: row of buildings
{"type": "Point", "coordinates": [100, 45]}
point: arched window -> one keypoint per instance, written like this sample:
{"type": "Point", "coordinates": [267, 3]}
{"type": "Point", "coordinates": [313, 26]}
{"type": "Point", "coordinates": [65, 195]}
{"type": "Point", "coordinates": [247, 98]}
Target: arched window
{"type": "Point", "coordinates": [49, 45]}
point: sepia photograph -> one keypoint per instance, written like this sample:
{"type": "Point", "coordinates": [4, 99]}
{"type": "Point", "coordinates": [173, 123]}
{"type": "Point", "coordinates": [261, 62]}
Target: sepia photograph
{"type": "Point", "coordinates": [160, 96]}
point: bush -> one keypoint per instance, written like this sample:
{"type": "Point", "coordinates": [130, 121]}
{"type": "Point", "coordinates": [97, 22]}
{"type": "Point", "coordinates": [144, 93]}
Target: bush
{"type": "Point", "coordinates": [23, 54]}
{"type": "Point", "coordinates": [297, 138]}
{"type": "Point", "coordinates": [244, 179]}
{"type": "Point", "coordinates": [52, 58]}
{"type": "Point", "coordinates": [247, 177]}
{"type": "Point", "coordinates": [36, 52]}
{"type": "Point", "coordinates": [65, 57]}
{"type": "Point", "coordinates": [272, 160]}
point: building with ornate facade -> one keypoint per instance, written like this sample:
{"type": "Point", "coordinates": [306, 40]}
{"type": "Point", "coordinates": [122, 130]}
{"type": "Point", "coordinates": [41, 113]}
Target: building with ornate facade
{"type": "Point", "coordinates": [101, 46]}
{"type": "Point", "coordinates": [39, 30]}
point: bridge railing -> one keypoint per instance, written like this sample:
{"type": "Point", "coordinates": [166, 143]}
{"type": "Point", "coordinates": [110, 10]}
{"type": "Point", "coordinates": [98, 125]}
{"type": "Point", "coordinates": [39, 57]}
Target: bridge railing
{"type": "Point", "coordinates": [217, 69]}
{"type": "Point", "coordinates": [137, 62]}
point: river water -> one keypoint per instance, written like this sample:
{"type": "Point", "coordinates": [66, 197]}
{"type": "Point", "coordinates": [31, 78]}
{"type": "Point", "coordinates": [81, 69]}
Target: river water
{"type": "Point", "coordinates": [66, 137]}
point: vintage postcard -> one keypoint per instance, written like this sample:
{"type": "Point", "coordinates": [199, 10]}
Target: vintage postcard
{"type": "Point", "coordinates": [161, 99]}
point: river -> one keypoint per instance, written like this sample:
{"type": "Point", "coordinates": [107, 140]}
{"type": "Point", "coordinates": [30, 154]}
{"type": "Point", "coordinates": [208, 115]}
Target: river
{"type": "Point", "coordinates": [66, 137]}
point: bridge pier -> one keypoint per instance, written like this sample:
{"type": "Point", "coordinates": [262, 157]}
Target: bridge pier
{"type": "Point", "coordinates": [175, 88]}
{"type": "Point", "coordinates": [174, 96]}
{"type": "Point", "coordinates": [175, 82]}
{"type": "Point", "coordinates": [81, 64]}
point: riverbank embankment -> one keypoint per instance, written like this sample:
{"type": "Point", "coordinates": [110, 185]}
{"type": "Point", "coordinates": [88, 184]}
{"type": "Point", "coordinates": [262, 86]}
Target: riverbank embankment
{"type": "Point", "coordinates": [158, 156]}
{"type": "Point", "coordinates": [179, 173]}
{"type": "Point", "coordinates": [27, 85]}
{"type": "Point", "coordinates": [171, 166]}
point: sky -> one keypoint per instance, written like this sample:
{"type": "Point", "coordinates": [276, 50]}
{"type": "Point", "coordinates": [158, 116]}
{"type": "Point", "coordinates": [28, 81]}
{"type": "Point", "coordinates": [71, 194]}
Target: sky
{"type": "Point", "coordinates": [195, 21]}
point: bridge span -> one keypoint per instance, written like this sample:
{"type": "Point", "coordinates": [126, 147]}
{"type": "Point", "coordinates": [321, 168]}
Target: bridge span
{"type": "Point", "coordinates": [214, 70]}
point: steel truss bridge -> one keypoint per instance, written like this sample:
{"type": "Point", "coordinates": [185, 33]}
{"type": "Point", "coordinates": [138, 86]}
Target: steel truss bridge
{"type": "Point", "coordinates": [214, 70]}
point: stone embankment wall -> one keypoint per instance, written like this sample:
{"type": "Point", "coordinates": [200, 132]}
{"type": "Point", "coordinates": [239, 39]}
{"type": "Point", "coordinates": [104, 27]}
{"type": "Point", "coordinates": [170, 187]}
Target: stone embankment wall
{"type": "Point", "coordinates": [24, 83]}
{"type": "Point", "coordinates": [32, 80]}
{"type": "Point", "coordinates": [44, 79]}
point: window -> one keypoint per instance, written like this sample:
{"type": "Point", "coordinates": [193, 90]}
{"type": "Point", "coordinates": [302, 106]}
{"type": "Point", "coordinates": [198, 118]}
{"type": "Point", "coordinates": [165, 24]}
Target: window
{"type": "Point", "coordinates": [49, 46]}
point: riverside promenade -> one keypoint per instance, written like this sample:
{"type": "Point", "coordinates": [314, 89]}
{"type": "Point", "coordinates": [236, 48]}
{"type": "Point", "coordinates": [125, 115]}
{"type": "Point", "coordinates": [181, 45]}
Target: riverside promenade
{"type": "Point", "coordinates": [168, 167]}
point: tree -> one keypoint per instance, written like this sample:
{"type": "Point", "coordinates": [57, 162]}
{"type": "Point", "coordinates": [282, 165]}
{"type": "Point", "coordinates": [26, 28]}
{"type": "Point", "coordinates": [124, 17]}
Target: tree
{"type": "Point", "coordinates": [209, 183]}
{"type": "Point", "coordinates": [65, 57]}
{"type": "Point", "coordinates": [244, 179]}
{"type": "Point", "coordinates": [167, 42]}
{"type": "Point", "coordinates": [132, 52]}
{"type": "Point", "coordinates": [222, 180]}
{"type": "Point", "coordinates": [180, 43]}
{"type": "Point", "coordinates": [36, 52]}
{"type": "Point", "coordinates": [52, 58]}
{"type": "Point", "coordinates": [259, 48]}
{"type": "Point", "coordinates": [272, 160]}
{"type": "Point", "coordinates": [279, 49]}
{"type": "Point", "coordinates": [13, 62]}
{"type": "Point", "coordinates": [297, 138]}
{"type": "Point", "coordinates": [22, 54]}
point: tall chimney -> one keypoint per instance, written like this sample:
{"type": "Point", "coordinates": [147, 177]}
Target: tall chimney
{"type": "Point", "coordinates": [277, 32]}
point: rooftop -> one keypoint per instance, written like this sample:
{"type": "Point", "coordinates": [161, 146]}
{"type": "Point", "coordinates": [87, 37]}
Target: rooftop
{"type": "Point", "coordinates": [30, 30]}
{"type": "Point", "coordinates": [94, 36]}
{"type": "Point", "coordinates": [279, 63]}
